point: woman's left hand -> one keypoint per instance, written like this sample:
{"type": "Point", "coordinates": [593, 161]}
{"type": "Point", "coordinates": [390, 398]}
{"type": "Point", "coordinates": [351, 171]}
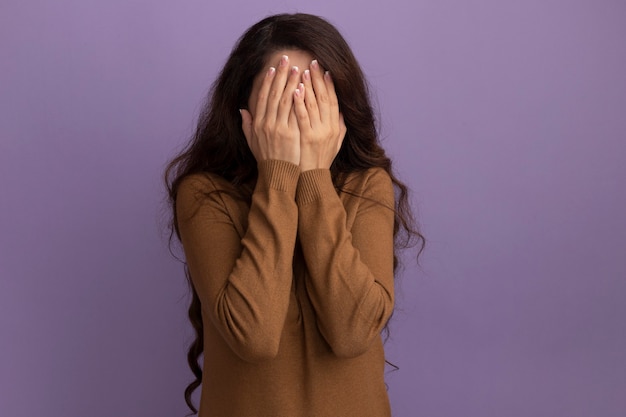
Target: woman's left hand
{"type": "Point", "coordinates": [322, 128]}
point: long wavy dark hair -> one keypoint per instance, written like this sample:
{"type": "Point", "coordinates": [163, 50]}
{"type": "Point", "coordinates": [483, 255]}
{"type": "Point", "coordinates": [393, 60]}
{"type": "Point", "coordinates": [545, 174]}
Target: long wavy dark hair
{"type": "Point", "coordinates": [219, 146]}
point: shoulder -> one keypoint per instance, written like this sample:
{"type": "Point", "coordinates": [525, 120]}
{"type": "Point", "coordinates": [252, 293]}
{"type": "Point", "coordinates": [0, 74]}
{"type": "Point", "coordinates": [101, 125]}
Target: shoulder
{"type": "Point", "coordinates": [374, 183]}
{"type": "Point", "coordinates": [200, 189]}
{"type": "Point", "coordinates": [204, 182]}
{"type": "Point", "coordinates": [368, 177]}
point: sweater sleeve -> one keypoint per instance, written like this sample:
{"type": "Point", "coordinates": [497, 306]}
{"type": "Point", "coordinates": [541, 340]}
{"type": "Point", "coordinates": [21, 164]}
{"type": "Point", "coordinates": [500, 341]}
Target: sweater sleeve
{"type": "Point", "coordinates": [351, 271]}
{"type": "Point", "coordinates": [243, 283]}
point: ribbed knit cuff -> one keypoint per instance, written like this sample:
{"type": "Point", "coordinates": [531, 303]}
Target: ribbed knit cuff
{"type": "Point", "coordinates": [313, 184]}
{"type": "Point", "coordinates": [278, 175]}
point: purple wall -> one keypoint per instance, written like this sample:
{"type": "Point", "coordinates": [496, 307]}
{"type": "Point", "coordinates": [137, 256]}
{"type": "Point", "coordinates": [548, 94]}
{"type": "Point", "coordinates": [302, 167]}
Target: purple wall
{"type": "Point", "coordinates": [507, 119]}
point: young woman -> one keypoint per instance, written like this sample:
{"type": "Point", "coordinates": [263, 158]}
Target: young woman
{"type": "Point", "coordinates": [285, 206]}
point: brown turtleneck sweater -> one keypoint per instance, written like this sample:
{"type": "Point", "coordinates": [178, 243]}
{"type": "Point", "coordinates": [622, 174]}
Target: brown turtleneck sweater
{"type": "Point", "coordinates": [295, 288]}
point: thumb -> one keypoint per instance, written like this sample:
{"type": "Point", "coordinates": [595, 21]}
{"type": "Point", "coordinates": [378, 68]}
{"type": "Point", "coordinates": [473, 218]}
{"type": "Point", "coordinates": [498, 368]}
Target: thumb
{"type": "Point", "coordinates": [246, 124]}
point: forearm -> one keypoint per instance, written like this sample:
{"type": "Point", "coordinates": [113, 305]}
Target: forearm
{"type": "Point", "coordinates": [351, 271]}
{"type": "Point", "coordinates": [244, 282]}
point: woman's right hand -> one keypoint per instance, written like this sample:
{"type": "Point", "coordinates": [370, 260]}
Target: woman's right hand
{"type": "Point", "coordinates": [272, 131]}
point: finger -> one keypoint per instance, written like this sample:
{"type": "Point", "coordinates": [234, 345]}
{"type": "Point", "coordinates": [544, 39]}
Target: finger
{"type": "Point", "coordinates": [261, 102]}
{"type": "Point", "coordinates": [300, 111]}
{"type": "Point", "coordinates": [293, 118]}
{"type": "Point", "coordinates": [333, 102]}
{"type": "Point", "coordinates": [321, 93]}
{"type": "Point", "coordinates": [285, 106]}
{"type": "Point", "coordinates": [310, 99]}
{"type": "Point", "coordinates": [277, 88]}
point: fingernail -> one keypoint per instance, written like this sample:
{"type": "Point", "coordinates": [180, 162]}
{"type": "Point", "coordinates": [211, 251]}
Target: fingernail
{"type": "Point", "coordinates": [307, 75]}
{"type": "Point", "coordinates": [294, 69]}
{"type": "Point", "coordinates": [283, 60]}
{"type": "Point", "coordinates": [301, 87]}
{"type": "Point", "coordinates": [298, 92]}
{"type": "Point", "coordinates": [314, 64]}
{"type": "Point", "coordinates": [271, 71]}
{"type": "Point", "coordinates": [327, 75]}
